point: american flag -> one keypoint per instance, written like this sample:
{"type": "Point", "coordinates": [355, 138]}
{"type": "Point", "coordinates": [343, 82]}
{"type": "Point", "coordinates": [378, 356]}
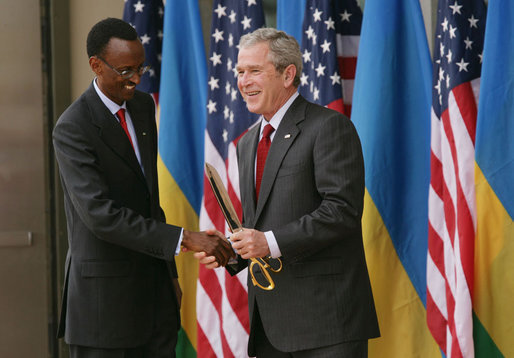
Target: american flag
{"type": "Point", "coordinates": [348, 30]}
{"type": "Point", "coordinates": [147, 16]}
{"type": "Point", "coordinates": [330, 43]}
{"type": "Point", "coordinates": [452, 208]}
{"type": "Point", "coordinates": [222, 305]}
{"type": "Point", "coordinates": [320, 79]}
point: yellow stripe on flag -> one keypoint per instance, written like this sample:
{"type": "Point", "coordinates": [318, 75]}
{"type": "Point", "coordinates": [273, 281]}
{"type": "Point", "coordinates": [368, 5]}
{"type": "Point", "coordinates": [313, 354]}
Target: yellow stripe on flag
{"type": "Point", "coordinates": [179, 212]}
{"type": "Point", "coordinates": [401, 315]}
{"type": "Point", "coordinates": [494, 266]}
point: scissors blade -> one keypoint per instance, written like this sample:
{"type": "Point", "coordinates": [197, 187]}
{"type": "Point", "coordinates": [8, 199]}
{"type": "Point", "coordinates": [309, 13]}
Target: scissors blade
{"type": "Point", "coordinates": [224, 202]}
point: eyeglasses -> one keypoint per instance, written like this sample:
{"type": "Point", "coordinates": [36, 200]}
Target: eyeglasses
{"type": "Point", "coordinates": [126, 74]}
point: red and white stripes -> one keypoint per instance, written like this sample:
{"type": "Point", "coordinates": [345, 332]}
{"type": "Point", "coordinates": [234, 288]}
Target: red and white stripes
{"type": "Point", "coordinates": [452, 223]}
{"type": "Point", "coordinates": [347, 51]}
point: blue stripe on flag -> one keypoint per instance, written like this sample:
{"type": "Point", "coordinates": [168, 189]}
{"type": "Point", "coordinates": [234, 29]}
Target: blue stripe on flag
{"type": "Point", "coordinates": [290, 17]}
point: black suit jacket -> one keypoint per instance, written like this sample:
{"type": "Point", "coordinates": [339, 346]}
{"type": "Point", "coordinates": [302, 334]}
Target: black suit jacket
{"type": "Point", "coordinates": [311, 197]}
{"type": "Point", "coordinates": [120, 250]}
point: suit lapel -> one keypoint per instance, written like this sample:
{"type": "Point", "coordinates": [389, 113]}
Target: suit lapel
{"type": "Point", "coordinates": [286, 133]}
{"type": "Point", "coordinates": [112, 133]}
{"type": "Point", "coordinates": [248, 173]}
{"type": "Point", "coordinates": [143, 140]}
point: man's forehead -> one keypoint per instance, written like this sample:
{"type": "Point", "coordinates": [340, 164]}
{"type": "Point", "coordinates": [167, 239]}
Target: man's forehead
{"type": "Point", "coordinates": [250, 64]}
{"type": "Point", "coordinates": [249, 59]}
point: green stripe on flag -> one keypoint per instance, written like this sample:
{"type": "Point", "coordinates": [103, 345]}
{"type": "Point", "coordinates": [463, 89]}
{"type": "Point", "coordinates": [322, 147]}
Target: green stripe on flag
{"type": "Point", "coordinates": [484, 345]}
{"type": "Point", "coordinates": [184, 347]}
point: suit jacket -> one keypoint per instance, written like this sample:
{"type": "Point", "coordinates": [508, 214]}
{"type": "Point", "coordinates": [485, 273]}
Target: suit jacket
{"type": "Point", "coordinates": [311, 197]}
{"type": "Point", "coordinates": [120, 250]}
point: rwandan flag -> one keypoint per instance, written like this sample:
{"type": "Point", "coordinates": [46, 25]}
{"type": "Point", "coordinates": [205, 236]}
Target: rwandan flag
{"type": "Point", "coordinates": [391, 111]}
{"type": "Point", "coordinates": [290, 17]}
{"type": "Point", "coordinates": [183, 96]}
{"type": "Point", "coordinates": [494, 183]}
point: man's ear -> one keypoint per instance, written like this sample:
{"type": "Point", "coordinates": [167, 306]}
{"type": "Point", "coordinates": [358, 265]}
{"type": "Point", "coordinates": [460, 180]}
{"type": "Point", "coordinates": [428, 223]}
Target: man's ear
{"type": "Point", "coordinates": [94, 63]}
{"type": "Point", "coordinates": [289, 74]}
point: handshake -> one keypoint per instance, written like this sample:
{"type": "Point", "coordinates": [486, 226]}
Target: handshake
{"type": "Point", "coordinates": [213, 250]}
{"type": "Point", "coordinates": [210, 242]}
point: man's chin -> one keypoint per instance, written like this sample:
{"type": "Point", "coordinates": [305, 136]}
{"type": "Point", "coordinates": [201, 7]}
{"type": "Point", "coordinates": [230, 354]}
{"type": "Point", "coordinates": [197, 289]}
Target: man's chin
{"type": "Point", "coordinates": [129, 94]}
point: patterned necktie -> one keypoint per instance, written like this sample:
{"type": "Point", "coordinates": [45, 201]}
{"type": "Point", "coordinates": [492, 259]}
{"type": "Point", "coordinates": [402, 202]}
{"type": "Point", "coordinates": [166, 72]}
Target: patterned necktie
{"type": "Point", "coordinates": [262, 153]}
{"type": "Point", "coordinates": [123, 122]}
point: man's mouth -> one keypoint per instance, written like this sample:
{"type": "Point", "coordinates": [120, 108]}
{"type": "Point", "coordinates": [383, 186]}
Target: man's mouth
{"type": "Point", "coordinates": [130, 86]}
{"type": "Point", "coordinates": [254, 93]}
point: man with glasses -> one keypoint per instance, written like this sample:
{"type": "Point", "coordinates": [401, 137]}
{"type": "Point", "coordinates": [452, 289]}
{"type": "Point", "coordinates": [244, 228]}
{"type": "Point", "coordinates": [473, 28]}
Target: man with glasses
{"type": "Point", "coordinates": [121, 297]}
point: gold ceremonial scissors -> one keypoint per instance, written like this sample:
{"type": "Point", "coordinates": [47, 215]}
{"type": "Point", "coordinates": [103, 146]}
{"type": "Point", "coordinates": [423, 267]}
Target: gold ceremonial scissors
{"type": "Point", "coordinates": [225, 204]}
{"type": "Point", "coordinates": [263, 264]}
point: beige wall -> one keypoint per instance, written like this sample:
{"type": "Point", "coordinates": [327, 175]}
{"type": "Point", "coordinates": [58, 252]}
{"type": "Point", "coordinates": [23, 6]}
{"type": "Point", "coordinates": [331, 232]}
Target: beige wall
{"type": "Point", "coordinates": [24, 303]}
{"type": "Point", "coordinates": [83, 15]}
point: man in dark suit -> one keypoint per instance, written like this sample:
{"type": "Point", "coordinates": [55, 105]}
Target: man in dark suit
{"type": "Point", "coordinates": [304, 206]}
{"type": "Point", "coordinates": [121, 297]}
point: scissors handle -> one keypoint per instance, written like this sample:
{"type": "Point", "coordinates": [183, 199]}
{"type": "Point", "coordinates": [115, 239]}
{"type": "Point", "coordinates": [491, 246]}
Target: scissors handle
{"type": "Point", "coordinates": [263, 266]}
{"type": "Point", "coordinates": [267, 260]}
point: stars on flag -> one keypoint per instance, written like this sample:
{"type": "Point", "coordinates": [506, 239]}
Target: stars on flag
{"type": "Point", "coordinates": [138, 7]}
{"type": "Point", "coordinates": [335, 78]}
{"type": "Point", "coordinates": [147, 18]}
{"type": "Point", "coordinates": [220, 11]}
{"type": "Point", "coordinates": [320, 70]}
{"type": "Point", "coordinates": [473, 22]}
{"type": "Point", "coordinates": [145, 39]}
{"type": "Point", "coordinates": [468, 43]}
{"type": "Point", "coordinates": [320, 81]}
{"type": "Point", "coordinates": [231, 19]}
{"type": "Point", "coordinates": [463, 66]}
{"type": "Point", "coordinates": [456, 8]}
{"type": "Point", "coordinates": [232, 16]}
{"type": "Point", "coordinates": [247, 23]}
{"type": "Point", "coordinates": [215, 59]}
{"type": "Point", "coordinates": [211, 106]}
{"type": "Point", "coordinates": [330, 24]}
{"type": "Point", "coordinates": [317, 15]}
{"type": "Point", "coordinates": [213, 83]}
{"type": "Point", "coordinates": [459, 38]}
{"type": "Point", "coordinates": [325, 46]}
{"type": "Point", "coordinates": [218, 35]}
{"type": "Point", "coordinates": [345, 16]}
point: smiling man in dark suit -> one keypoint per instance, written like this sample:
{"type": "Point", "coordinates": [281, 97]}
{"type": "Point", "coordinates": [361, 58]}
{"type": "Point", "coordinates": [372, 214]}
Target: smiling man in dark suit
{"type": "Point", "coordinates": [121, 297]}
{"type": "Point", "coordinates": [302, 203]}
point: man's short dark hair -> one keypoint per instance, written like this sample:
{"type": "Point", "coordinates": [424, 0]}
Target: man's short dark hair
{"type": "Point", "coordinates": [103, 31]}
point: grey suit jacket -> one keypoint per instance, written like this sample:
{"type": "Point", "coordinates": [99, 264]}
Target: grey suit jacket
{"type": "Point", "coordinates": [120, 249]}
{"type": "Point", "coordinates": [312, 199]}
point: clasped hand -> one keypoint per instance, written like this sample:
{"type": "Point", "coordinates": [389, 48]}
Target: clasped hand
{"type": "Point", "coordinates": [212, 242]}
{"type": "Point", "coordinates": [248, 243]}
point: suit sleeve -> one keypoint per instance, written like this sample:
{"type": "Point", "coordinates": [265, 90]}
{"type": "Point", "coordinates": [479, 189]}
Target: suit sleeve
{"type": "Point", "coordinates": [339, 179]}
{"type": "Point", "coordinates": [88, 193]}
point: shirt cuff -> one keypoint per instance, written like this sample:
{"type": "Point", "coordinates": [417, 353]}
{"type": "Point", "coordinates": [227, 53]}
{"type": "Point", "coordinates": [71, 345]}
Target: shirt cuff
{"type": "Point", "coordinates": [272, 244]}
{"type": "Point", "coordinates": [177, 250]}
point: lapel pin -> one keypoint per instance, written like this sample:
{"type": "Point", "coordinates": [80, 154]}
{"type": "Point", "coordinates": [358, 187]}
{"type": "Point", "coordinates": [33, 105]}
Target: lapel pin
{"type": "Point", "coordinates": [144, 133]}
{"type": "Point", "coordinates": [287, 136]}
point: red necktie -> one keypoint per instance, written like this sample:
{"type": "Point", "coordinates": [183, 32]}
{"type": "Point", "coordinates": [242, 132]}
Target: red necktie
{"type": "Point", "coordinates": [123, 122]}
{"type": "Point", "coordinates": [262, 153]}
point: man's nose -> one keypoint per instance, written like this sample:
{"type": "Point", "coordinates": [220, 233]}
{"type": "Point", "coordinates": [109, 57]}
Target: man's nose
{"type": "Point", "coordinates": [136, 78]}
{"type": "Point", "coordinates": [243, 78]}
